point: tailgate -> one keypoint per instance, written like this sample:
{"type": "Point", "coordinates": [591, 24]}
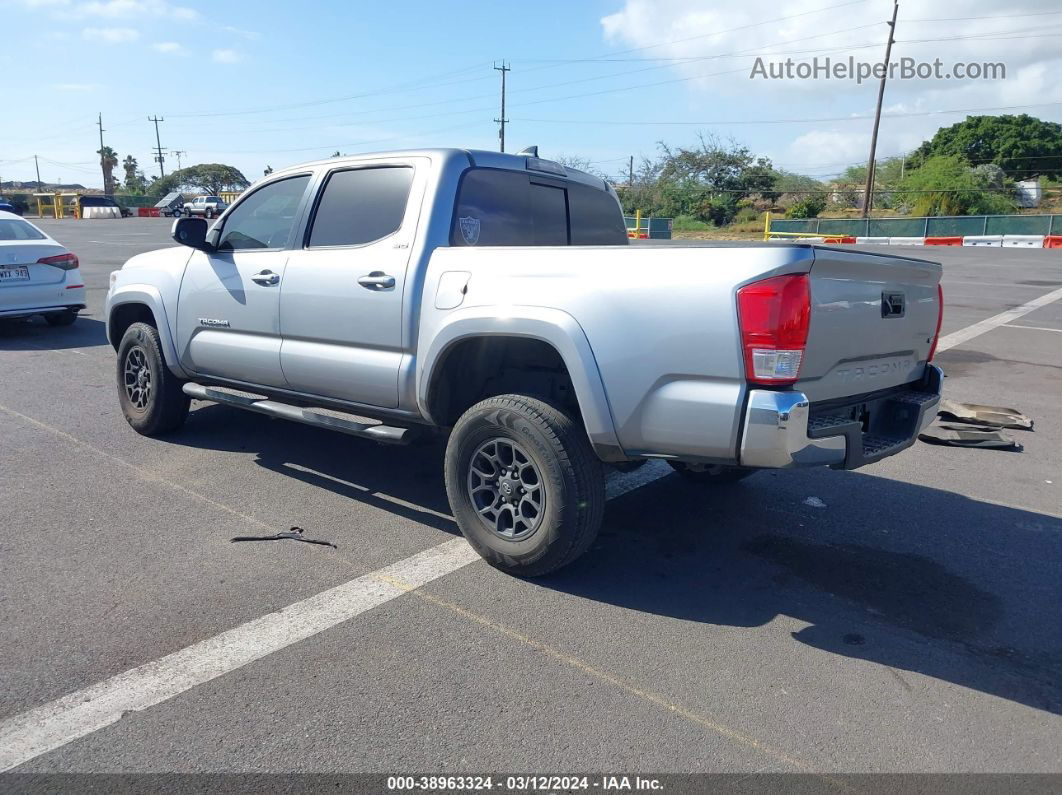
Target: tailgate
{"type": "Point", "coordinates": [873, 317]}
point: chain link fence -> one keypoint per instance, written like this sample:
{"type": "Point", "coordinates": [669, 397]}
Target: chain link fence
{"type": "Point", "coordinates": [939, 226]}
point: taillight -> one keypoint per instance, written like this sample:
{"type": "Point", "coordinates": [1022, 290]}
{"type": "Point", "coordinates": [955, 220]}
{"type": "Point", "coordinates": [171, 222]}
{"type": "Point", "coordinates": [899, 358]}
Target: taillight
{"type": "Point", "coordinates": [940, 319]}
{"type": "Point", "coordinates": [774, 316]}
{"type": "Point", "coordinates": [67, 262]}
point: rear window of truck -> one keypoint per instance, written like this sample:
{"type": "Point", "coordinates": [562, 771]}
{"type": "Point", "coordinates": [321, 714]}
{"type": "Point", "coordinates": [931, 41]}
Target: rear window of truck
{"type": "Point", "coordinates": [497, 207]}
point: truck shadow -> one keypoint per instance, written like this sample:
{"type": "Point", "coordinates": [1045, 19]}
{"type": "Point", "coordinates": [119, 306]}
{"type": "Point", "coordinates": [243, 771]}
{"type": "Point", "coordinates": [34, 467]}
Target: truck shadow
{"type": "Point", "coordinates": [905, 576]}
{"type": "Point", "coordinates": [35, 334]}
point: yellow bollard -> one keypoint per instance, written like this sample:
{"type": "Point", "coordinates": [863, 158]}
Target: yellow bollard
{"type": "Point", "coordinates": [767, 225]}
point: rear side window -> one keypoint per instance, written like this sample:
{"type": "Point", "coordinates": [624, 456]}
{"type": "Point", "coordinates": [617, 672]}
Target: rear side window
{"type": "Point", "coordinates": [493, 209]}
{"type": "Point", "coordinates": [18, 230]}
{"type": "Point", "coordinates": [512, 208]}
{"type": "Point", "coordinates": [361, 205]}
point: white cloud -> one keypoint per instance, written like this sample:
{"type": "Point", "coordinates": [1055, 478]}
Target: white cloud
{"type": "Point", "coordinates": [227, 56]}
{"type": "Point", "coordinates": [110, 35]}
{"type": "Point", "coordinates": [250, 35]}
{"type": "Point", "coordinates": [693, 40]}
{"type": "Point", "coordinates": [728, 39]}
{"type": "Point", "coordinates": [169, 48]}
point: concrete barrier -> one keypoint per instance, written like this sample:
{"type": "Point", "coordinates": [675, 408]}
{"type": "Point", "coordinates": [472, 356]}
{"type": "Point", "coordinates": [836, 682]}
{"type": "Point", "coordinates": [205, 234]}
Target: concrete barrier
{"type": "Point", "coordinates": [983, 240]}
{"type": "Point", "coordinates": [944, 241]}
{"type": "Point", "coordinates": [1053, 241]}
{"type": "Point", "coordinates": [873, 241]}
{"type": "Point", "coordinates": [1023, 241]}
{"type": "Point", "coordinates": [907, 241]}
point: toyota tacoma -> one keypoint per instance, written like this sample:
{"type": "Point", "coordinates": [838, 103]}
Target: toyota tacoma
{"type": "Point", "coordinates": [495, 298]}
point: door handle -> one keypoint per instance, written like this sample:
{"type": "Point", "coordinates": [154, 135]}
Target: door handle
{"type": "Point", "coordinates": [377, 280]}
{"type": "Point", "coordinates": [265, 278]}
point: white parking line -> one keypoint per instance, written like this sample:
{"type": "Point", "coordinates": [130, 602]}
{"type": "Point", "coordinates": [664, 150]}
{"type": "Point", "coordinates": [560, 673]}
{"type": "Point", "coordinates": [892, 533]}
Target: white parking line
{"type": "Point", "coordinates": [977, 329]}
{"type": "Point", "coordinates": [82, 712]}
{"type": "Point", "coordinates": [57, 723]}
{"type": "Point", "coordinates": [1034, 328]}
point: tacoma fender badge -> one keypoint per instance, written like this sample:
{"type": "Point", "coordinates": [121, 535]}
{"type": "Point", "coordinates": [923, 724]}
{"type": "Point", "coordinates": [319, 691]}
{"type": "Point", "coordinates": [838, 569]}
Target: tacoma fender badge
{"type": "Point", "coordinates": [210, 321]}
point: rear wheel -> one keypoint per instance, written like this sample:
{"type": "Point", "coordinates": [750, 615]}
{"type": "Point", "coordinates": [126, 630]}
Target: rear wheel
{"type": "Point", "coordinates": [66, 318]}
{"type": "Point", "coordinates": [524, 484]}
{"type": "Point", "coordinates": [149, 393]}
{"type": "Point", "coordinates": [208, 213]}
{"type": "Point", "coordinates": [710, 473]}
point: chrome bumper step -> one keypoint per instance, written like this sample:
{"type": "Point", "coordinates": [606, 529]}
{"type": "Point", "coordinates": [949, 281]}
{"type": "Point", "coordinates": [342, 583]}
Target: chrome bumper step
{"type": "Point", "coordinates": [386, 434]}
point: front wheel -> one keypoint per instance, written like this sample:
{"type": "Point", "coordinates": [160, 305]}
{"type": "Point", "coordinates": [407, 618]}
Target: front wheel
{"type": "Point", "coordinates": [524, 484]}
{"type": "Point", "coordinates": [713, 474]}
{"type": "Point", "coordinates": [149, 393]}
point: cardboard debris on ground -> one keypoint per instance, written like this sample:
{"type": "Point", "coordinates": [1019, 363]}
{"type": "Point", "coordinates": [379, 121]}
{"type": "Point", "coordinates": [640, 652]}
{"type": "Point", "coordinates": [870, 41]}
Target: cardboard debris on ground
{"type": "Point", "coordinates": [994, 416]}
{"type": "Point", "coordinates": [973, 425]}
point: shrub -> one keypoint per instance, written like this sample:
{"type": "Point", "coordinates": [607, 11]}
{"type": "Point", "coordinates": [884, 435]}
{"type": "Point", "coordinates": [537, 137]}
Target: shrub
{"type": "Point", "coordinates": [808, 207]}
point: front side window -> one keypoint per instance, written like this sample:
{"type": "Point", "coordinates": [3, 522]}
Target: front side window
{"type": "Point", "coordinates": [265, 218]}
{"type": "Point", "coordinates": [361, 205]}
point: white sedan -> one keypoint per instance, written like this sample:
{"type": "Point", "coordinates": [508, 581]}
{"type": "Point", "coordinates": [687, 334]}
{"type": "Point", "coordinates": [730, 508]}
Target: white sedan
{"type": "Point", "coordinates": [38, 276]}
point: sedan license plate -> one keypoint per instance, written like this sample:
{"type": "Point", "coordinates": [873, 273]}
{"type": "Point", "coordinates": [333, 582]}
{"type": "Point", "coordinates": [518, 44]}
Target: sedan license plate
{"type": "Point", "coordinates": [17, 273]}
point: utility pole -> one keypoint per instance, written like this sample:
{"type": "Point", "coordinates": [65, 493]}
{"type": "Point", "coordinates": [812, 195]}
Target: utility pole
{"type": "Point", "coordinates": [501, 129]}
{"type": "Point", "coordinates": [177, 153]}
{"type": "Point", "coordinates": [630, 172]}
{"type": "Point", "coordinates": [158, 146]}
{"type": "Point", "coordinates": [868, 194]}
{"type": "Point", "coordinates": [106, 182]}
{"type": "Point", "coordinates": [38, 167]}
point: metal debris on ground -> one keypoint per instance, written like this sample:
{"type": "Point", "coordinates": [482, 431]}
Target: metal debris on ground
{"type": "Point", "coordinates": [295, 534]}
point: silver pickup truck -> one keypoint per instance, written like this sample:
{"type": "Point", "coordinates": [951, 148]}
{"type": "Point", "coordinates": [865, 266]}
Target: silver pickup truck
{"type": "Point", "coordinates": [495, 298]}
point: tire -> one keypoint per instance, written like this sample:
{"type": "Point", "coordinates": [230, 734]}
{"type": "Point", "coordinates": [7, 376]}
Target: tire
{"type": "Point", "coordinates": [715, 474]}
{"type": "Point", "coordinates": [161, 407]}
{"type": "Point", "coordinates": [208, 214]}
{"type": "Point", "coordinates": [187, 213]}
{"type": "Point", "coordinates": [66, 318]}
{"type": "Point", "coordinates": [570, 491]}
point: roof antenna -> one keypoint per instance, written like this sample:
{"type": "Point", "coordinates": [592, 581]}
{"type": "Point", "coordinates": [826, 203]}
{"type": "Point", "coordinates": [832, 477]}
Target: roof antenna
{"type": "Point", "coordinates": [530, 151]}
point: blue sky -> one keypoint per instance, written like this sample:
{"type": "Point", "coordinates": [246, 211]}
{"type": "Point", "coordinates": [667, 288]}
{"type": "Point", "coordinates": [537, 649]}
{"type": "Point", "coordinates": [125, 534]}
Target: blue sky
{"type": "Point", "coordinates": [263, 83]}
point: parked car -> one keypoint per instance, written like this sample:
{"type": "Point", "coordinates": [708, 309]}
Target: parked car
{"type": "Point", "coordinates": [8, 206]}
{"type": "Point", "coordinates": [38, 276]}
{"type": "Point", "coordinates": [206, 206]}
{"type": "Point", "coordinates": [495, 298]}
{"type": "Point", "coordinates": [102, 207]}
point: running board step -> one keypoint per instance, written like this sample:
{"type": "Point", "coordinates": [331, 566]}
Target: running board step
{"type": "Point", "coordinates": [379, 433]}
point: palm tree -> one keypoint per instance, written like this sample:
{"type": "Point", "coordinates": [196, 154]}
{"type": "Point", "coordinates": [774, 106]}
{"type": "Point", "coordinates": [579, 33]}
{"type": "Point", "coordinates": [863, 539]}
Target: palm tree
{"type": "Point", "coordinates": [108, 162]}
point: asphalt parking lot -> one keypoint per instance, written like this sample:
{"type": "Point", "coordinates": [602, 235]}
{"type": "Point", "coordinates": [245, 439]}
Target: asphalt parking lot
{"type": "Point", "coordinates": [912, 623]}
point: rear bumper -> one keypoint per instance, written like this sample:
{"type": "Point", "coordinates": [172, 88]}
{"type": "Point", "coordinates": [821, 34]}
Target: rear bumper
{"type": "Point", "coordinates": [784, 429]}
{"type": "Point", "coordinates": [11, 314]}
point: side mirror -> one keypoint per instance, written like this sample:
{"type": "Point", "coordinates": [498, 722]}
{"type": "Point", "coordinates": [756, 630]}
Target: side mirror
{"type": "Point", "coordinates": [191, 232]}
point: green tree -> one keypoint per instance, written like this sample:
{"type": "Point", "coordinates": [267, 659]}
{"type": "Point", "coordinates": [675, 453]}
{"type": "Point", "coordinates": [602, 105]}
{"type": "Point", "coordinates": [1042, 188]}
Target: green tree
{"type": "Point", "coordinates": [211, 178]}
{"type": "Point", "coordinates": [947, 185]}
{"type": "Point", "coordinates": [134, 178]}
{"type": "Point", "coordinates": [1023, 146]}
{"type": "Point", "coordinates": [108, 161]}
